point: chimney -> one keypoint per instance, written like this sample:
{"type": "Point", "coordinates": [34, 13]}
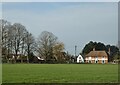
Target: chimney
{"type": "Point", "coordinates": [93, 49]}
{"type": "Point", "coordinates": [109, 51]}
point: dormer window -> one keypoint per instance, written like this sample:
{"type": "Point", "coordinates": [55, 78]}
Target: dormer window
{"type": "Point", "coordinates": [79, 57]}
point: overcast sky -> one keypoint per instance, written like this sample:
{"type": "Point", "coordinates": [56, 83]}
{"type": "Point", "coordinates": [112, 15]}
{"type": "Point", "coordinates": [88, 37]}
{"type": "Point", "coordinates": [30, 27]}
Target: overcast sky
{"type": "Point", "coordinates": [74, 23]}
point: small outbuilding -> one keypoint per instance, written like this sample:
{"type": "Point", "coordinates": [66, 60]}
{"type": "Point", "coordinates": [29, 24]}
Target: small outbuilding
{"type": "Point", "coordinates": [80, 59]}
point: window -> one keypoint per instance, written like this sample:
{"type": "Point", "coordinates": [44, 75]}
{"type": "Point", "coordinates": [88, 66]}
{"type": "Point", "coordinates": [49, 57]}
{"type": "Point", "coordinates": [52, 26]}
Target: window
{"type": "Point", "coordinates": [80, 61]}
{"type": "Point", "coordinates": [79, 57]}
{"type": "Point", "coordinates": [96, 61]}
{"type": "Point", "coordinates": [103, 61]}
{"type": "Point", "coordinates": [89, 61]}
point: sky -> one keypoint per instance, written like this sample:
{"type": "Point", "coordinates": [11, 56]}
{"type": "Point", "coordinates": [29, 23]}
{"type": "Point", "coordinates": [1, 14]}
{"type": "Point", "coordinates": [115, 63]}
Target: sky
{"type": "Point", "coordinates": [59, 0]}
{"type": "Point", "coordinates": [74, 23]}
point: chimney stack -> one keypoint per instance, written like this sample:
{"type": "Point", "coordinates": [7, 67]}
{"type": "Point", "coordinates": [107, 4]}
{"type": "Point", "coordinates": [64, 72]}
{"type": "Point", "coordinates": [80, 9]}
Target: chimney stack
{"type": "Point", "coordinates": [109, 51]}
{"type": "Point", "coordinates": [93, 49]}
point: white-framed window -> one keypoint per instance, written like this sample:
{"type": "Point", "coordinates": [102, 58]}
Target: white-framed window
{"type": "Point", "coordinates": [79, 57]}
{"type": "Point", "coordinates": [103, 61]}
{"type": "Point", "coordinates": [96, 61]}
{"type": "Point", "coordinates": [89, 61]}
{"type": "Point", "coordinates": [80, 61]}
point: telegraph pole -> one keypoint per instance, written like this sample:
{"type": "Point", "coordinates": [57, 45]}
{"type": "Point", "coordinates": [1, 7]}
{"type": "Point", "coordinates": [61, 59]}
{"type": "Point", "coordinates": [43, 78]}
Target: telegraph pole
{"type": "Point", "coordinates": [75, 50]}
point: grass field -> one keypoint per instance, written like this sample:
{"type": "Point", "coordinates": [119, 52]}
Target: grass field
{"type": "Point", "coordinates": [59, 73]}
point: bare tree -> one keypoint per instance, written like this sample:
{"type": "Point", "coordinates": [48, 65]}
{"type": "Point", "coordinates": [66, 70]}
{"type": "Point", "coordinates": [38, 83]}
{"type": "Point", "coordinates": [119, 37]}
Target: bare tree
{"type": "Point", "coordinates": [22, 49]}
{"type": "Point", "coordinates": [46, 41]}
{"type": "Point", "coordinates": [5, 48]}
{"type": "Point", "coordinates": [16, 40]}
{"type": "Point", "coordinates": [18, 35]}
{"type": "Point", "coordinates": [29, 41]}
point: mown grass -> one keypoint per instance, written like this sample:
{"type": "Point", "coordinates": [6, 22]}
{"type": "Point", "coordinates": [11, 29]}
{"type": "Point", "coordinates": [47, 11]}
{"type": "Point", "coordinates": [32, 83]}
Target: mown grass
{"type": "Point", "coordinates": [60, 73]}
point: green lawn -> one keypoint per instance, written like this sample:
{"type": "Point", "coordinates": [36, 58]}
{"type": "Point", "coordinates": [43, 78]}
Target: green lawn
{"type": "Point", "coordinates": [59, 73]}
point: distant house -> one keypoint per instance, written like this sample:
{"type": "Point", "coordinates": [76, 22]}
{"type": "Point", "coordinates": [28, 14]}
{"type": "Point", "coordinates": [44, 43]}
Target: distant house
{"type": "Point", "coordinates": [96, 57]}
{"type": "Point", "coordinates": [38, 59]}
{"type": "Point", "coordinates": [80, 59]}
{"type": "Point", "coordinates": [11, 58]}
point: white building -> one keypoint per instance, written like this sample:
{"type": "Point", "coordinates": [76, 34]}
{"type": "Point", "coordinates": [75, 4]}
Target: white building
{"type": "Point", "coordinates": [80, 59]}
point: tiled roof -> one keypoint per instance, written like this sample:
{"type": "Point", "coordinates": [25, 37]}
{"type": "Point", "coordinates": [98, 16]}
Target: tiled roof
{"type": "Point", "coordinates": [97, 53]}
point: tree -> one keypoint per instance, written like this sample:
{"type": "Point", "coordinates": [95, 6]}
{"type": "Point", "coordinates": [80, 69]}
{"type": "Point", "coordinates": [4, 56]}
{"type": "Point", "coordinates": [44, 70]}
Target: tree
{"type": "Point", "coordinates": [23, 41]}
{"type": "Point", "coordinates": [46, 42]}
{"type": "Point", "coordinates": [16, 40]}
{"type": "Point", "coordinates": [29, 41]}
{"type": "Point", "coordinates": [88, 47]}
{"type": "Point", "coordinates": [100, 46]}
{"type": "Point", "coordinates": [18, 35]}
{"type": "Point", "coordinates": [114, 50]}
{"type": "Point", "coordinates": [23, 45]}
{"type": "Point", "coordinates": [5, 38]}
{"type": "Point", "coordinates": [58, 51]}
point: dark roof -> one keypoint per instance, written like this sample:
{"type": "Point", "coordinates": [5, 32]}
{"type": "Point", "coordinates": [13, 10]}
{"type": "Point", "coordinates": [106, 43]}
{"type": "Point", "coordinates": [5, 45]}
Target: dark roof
{"type": "Point", "coordinates": [97, 53]}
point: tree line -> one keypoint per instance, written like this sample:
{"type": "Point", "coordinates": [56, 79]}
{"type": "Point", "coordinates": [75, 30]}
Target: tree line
{"type": "Point", "coordinates": [17, 40]}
